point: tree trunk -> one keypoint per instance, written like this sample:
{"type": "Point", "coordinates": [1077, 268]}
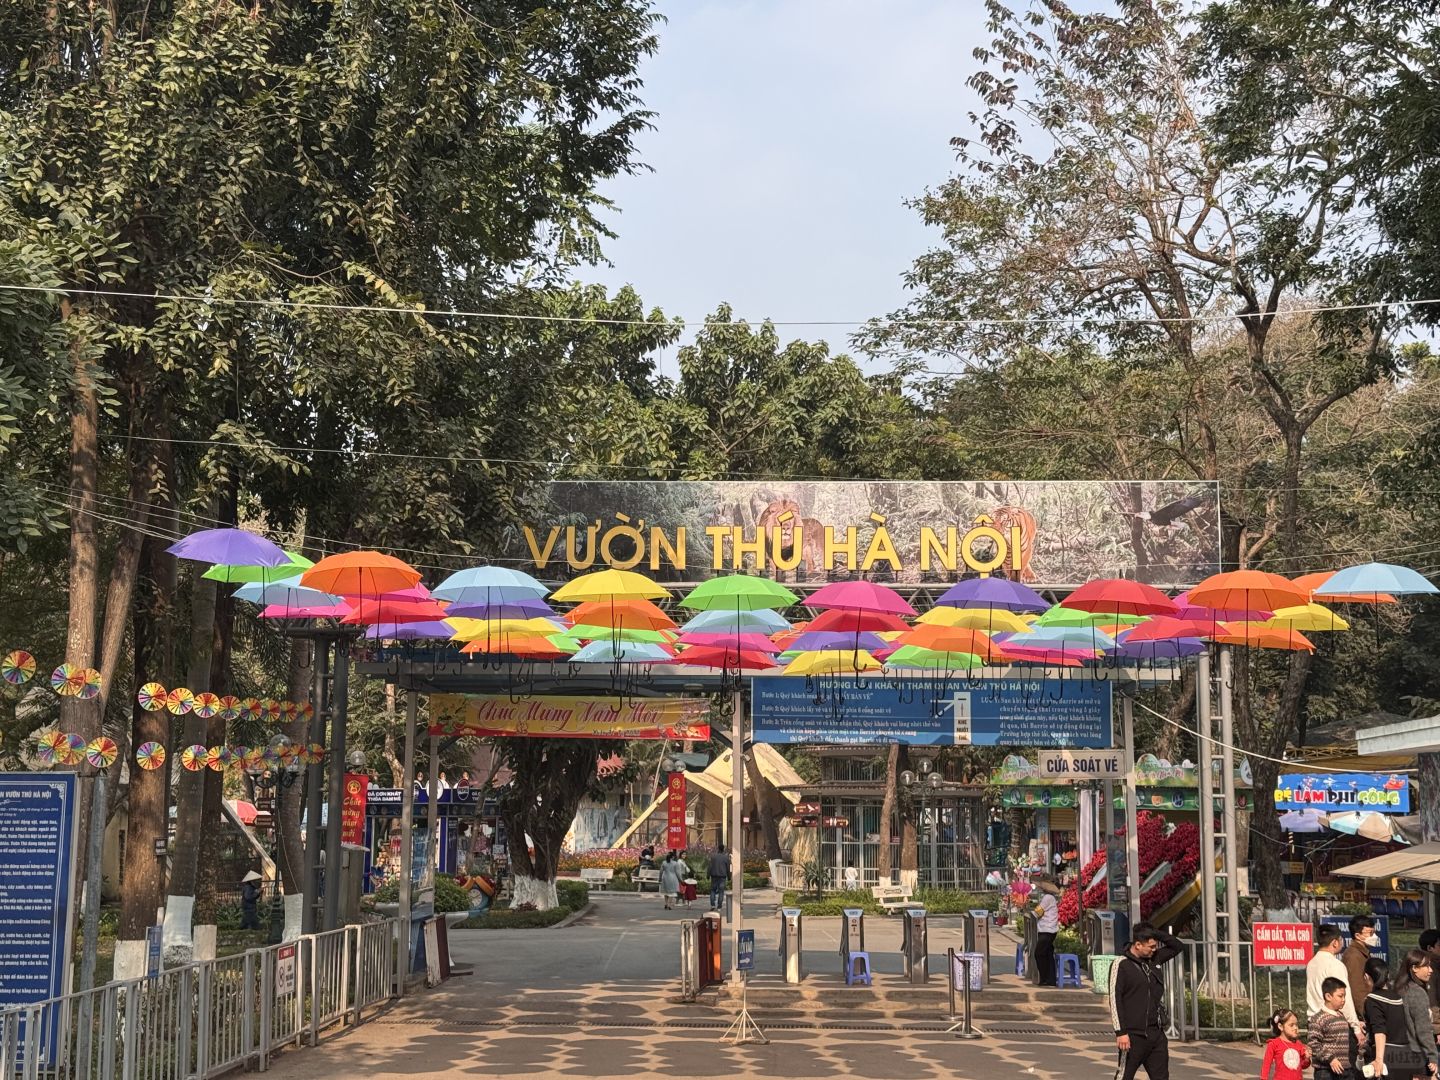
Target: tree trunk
{"type": "Point", "coordinates": [290, 798]}
{"type": "Point", "coordinates": [1269, 840]}
{"type": "Point", "coordinates": [540, 803]}
{"type": "Point", "coordinates": [213, 821]}
{"type": "Point", "coordinates": [1169, 745]}
{"type": "Point", "coordinates": [887, 812]}
{"type": "Point", "coordinates": [764, 808]}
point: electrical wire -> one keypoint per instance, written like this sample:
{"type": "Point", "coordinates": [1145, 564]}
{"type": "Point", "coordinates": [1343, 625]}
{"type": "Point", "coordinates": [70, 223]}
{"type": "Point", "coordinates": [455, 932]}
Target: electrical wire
{"type": "Point", "coordinates": [462, 313]}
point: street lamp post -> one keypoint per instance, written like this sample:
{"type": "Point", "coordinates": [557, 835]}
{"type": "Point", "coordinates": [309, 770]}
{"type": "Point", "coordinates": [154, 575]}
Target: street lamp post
{"type": "Point", "coordinates": [919, 787]}
{"type": "Point", "coordinates": [277, 781]}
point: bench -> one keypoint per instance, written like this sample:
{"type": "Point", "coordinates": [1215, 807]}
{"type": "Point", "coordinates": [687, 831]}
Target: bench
{"type": "Point", "coordinates": [892, 897]}
{"type": "Point", "coordinates": [647, 877]}
{"type": "Point", "coordinates": [597, 878]}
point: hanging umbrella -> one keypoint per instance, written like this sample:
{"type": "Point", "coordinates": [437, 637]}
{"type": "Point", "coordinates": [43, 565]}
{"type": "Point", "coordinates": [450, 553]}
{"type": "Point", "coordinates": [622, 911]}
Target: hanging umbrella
{"type": "Point", "coordinates": [1120, 595]}
{"type": "Point", "coordinates": [230, 547]}
{"type": "Point", "coordinates": [623, 652]}
{"type": "Point", "coordinates": [592, 632]}
{"type": "Point", "coordinates": [1054, 656]}
{"type": "Point", "coordinates": [1152, 649]}
{"type": "Point", "coordinates": [473, 629]}
{"type": "Point", "coordinates": [917, 657]}
{"type": "Point", "coordinates": [1060, 615]}
{"type": "Point", "coordinates": [738, 592]}
{"type": "Point", "coordinates": [1195, 612]}
{"type": "Point", "coordinates": [812, 640]}
{"type": "Point", "coordinates": [853, 622]}
{"type": "Point", "coordinates": [1374, 579]}
{"type": "Point", "coordinates": [1302, 821]}
{"type": "Point", "coordinates": [751, 642]}
{"type": "Point", "coordinates": [360, 573]}
{"type": "Point", "coordinates": [1247, 590]}
{"type": "Point", "coordinates": [528, 646]}
{"type": "Point", "coordinates": [240, 574]}
{"type": "Point", "coordinates": [993, 592]}
{"type": "Point", "coordinates": [609, 585]}
{"type": "Point", "coordinates": [489, 585]}
{"type": "Point", "coordinates": [1163, 626]}
{"type": "Point", "coordinates": [1370, 825]}
{"type": "Point", "coordinates": [725, 657]}
{"type": "Point", "coordinates": [955, 639]}
{"type": "Point", "coordinates": [306, 611]}
{"type": "Point", "coordinates": [991, 620]}
{"type": "Point", "coordinates": [831, 663]}
{"type": "Point", "coordinates": [859, 596]}
{"type": "Point", "coordinates": [1261, 636]}
{"type": "Point", "coordinates": [408, 631]}
{"type": "Point", "coordinates": [723, 622]}
{"type": "Point", "coordinates": [287, 592]}
{"type": "Point", "coordinates": [630, 614]}
{"type": "Point", "coordinates": [1311, 582]}
{"type": "Point", "coordinates": [1309, 617]}
{"type": "Point", "coordinates": [499, 609]}
{"type": "Point", "coordinates": [384, 610]}
{"type": "Point", "coordinates": [1067, 637]}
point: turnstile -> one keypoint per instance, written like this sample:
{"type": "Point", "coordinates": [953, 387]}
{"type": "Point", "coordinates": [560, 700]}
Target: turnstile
{"type": "Point", "coordinates": [915, 946]}
{"type": "Point", "coordinates": [790, 959]}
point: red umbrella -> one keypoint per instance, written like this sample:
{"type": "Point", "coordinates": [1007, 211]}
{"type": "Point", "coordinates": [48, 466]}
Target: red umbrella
{"type": "Point", "coordinates": [1164, 628]}
{"type": "Point", "coordinates": [853, 621]}
{"type": "Point", "coordinates": [859, 596]}
{"type": "Point", "coordinates": [718, 656]}
{"type": "Point", "coordinates": [378, 611]}
{"type": "Point", "coordinates": [1120, 596]}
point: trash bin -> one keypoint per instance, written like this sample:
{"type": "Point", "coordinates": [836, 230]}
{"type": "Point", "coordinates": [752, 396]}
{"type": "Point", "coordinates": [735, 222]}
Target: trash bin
{"type": "Point", "coordinates": [915, 946]}
{"type": "Point", "coordinates": [1100, 965]}
{"type": "Point", "coordinates": [852, 934]}
{"type": "Point", "coordinates": [790, 959]}
{"type": "Point", "coordinates": [977, 939]}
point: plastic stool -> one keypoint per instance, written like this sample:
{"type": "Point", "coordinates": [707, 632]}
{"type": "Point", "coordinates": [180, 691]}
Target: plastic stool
{"type": "Point", "coordinates": [853, 972]}
{"type": "Point", "coordinates": [1020, 958]}
{"type": "Point", "coordinates": [1067, 970]}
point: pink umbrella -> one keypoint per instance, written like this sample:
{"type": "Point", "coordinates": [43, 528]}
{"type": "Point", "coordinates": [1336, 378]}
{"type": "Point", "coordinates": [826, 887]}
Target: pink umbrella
{"type": "Point", "coordinates": [324, 611]}
{"type": "Point", "coordinates": [859, 596]}
{"type": "Point", "coordinates": [1163, 627]}
{"type": "Point", "coordinates": [752, 642]}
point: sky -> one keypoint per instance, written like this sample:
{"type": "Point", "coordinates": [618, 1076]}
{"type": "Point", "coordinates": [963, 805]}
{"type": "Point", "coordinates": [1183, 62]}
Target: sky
{"type": "Point", "coordinates": [788, 135]}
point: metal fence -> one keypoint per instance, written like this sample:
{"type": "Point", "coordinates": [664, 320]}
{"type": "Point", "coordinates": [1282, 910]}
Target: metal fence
{"type": "Point", "coordinates": [204, 1019]}
{"type": "Point", "coordinates": [1206, 1000]}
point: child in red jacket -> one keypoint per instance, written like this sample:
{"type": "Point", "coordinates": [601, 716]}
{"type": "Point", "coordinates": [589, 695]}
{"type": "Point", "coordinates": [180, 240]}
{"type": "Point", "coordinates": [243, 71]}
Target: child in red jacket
{"type": "Point", "coordinates": [1285, 1051]}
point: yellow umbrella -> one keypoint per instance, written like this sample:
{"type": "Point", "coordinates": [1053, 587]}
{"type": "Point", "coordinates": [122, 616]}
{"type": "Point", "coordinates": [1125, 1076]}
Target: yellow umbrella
{"type": "Point", "coordinates": [1308, 617]}
{"type": "Point", "coordinates": [991, 620]}
{"type": "Point", "coordinates": [470, 629]}
{"type": "Point", "coordinates": [831, 662]}
{"type": "Point", "coordinates": [609, 585]}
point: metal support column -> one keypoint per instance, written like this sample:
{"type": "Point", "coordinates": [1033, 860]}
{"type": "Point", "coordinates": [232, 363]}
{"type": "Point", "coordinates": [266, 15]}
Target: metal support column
{"type": "Point", "coordinates": [1208, 757]}
{"type": "Point", "coordinates": [407, 817]}
{"type": "Point", "coordinates": [737, 832]}
{"type": "Point", "coordinates": [339, 700]}
{"type": "Point", "coordinates": [1229, 824]}
{"type": "Point", "coordinates": [1132, 803]}
{"type": "Point", "coordinates": [314, 779]}
{"type": "Point", "coordinates": [432, 825]}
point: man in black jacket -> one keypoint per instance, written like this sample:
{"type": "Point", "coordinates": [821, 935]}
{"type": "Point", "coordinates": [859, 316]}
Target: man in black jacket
{"type": "Point", "coordinates": [1137, 999]}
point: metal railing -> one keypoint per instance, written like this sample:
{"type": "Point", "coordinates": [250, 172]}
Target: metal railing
{"type": "Point", "coordinates": [204, 1019]}
{"type": "Point", "coordinates": [1207, 1001]}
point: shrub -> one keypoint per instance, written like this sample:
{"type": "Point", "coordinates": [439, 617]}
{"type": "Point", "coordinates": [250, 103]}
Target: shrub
{"type": "Point", "coordinates": [834, 903]}
{"type": "Point", "coordinates": [1351, 907]}
{"type": "Point", "coordinates": [448, 895]}
{"type": "Point", "coordinates": [573, 895]}
{"type": "Point", "coordinates": [508, 919]}
{"type": "Point", "coordinates": [955, 901]}
{"type": "Point", "coordinates": [627, 858]}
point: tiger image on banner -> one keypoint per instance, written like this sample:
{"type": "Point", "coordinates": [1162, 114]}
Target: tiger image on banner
{"type": "Point", "coordinates": [1017, 517]}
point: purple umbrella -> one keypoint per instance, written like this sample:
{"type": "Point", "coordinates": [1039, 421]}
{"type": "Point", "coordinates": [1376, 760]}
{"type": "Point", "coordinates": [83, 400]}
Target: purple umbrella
{"type": "Point", "coordinates": [510, 609]}
{"type": "Point", "coordinates": [993, 592]}
{"type": "Point", "coordinates": [230, 547]}
{"type": "Point", "coordinates": [389, 631]}
{"type": "Point", "coordinates": [1161, 649]}
{"type": "Point", "coordinates": [815, 640]}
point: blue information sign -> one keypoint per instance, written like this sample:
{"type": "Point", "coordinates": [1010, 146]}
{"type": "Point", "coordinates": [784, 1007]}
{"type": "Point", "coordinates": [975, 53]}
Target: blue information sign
{"type": "Point", "coordinates": [37, 888]}
{"type": "Point", "coordinates": [745, 950]}
{"type": "Point", "coordinates": [1382, 927]}
{"type": "Point", "coordinates": [154, 935]}
{"type": "Point", "coordinates": [927, 711]}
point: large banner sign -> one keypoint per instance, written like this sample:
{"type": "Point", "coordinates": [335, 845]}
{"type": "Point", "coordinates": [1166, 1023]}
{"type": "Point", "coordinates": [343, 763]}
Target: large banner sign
{"type": "Point", "coordinates": [561, 717]}
{"type": "Point", "coordinates": [1387, 793]}
{"type": "Point", "coordinates": [1044, 533]}
{"type": "Point", "coordinates": [352, 809]}
{"type": "Point", "coordinates": [934, 712]}
{"type": "Point", "coordinates": [37, 888]}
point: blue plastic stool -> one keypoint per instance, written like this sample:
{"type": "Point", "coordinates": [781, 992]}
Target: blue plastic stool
{"type": "Point", "coordinates": [1067, 970]}
{"type": "Point", "coordinates": [853, 972]}
{"type": "Point", "coordinates": [1020, 958]}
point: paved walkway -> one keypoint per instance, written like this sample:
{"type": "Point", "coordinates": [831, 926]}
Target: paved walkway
{"type": "Point", "coordinates": [597, 999]}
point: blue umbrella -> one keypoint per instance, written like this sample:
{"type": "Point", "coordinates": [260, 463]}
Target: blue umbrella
{"type": "Point", "coordinates": [1052, 636]}
{"type": "Point", "coordinates": [287, 592]}
{"type": "Point", "coordinates": [736, 622]}
{"type": "Point", "coordinates": [994, 592]}
{"type": "Point", "coordinates": [489, 585]}
{"type": "Point", "coordinates": [1375, 578]}
{"type": "Point", "coordinates": [620, 652]}
{"type": "Point", "coordinates": [231, 547]}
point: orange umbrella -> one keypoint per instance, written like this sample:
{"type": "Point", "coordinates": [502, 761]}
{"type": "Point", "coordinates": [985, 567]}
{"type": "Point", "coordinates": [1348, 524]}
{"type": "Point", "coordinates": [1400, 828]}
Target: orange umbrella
{"type": "Point", "coordinates": [1311, 582]}
{"type": "Point", "coordinates": [1260, 636]}
{"type": "Point", "coordinates": [360, 573]}
{"type": "Point", "coordinates": [953, 639]}
{"type": "Point", "coordinates": [1248, 590]}
{"type": "Point", "coordinates": [636, 614]}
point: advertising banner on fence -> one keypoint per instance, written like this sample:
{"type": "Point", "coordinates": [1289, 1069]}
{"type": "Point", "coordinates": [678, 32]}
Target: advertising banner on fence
{"type": "Point", "coordinates": [1385, 793]}
{"type": "Point", "coordinates": [675, 839]}
{"type": "Point", "coordinates": [934, 712]}
{"type": "Point", "coordinates": [1284, 944]}
{"type": "Point", "coordinates": [38, 813]}
{"type": "Point", "coordinates": [1045, 533]}
{"type": "Point", "coordinates": [564, 717]}
{"type": "Point", "coordinates": [352, 809]}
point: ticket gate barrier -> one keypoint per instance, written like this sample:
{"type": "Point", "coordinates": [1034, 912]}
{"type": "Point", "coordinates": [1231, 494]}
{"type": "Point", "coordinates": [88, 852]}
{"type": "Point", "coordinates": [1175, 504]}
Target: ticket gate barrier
{"type": "Point", "coordinates": [790, 944]}
{"type": "Point", "coordinates": [915, 946]}
{"type": "Point", "coordinates": [977, 939]}
{"type": "Point", "coordinates": [852, 933]}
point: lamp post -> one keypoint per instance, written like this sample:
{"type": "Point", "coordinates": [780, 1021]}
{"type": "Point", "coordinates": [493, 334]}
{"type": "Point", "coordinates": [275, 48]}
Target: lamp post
{"type": "Point", "coordinates": [277, 781]}
{"type": "Point", "coordinates": [920, 786]}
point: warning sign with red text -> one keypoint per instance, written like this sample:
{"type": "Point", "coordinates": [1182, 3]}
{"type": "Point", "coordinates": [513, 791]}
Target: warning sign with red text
{"type": "Point", "coordinates": [1282, 944]}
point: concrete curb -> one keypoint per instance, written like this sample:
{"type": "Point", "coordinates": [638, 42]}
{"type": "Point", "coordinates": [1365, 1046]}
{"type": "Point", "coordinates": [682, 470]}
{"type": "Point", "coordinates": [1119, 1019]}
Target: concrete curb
{"type": "Point", "coordinates": [571, 917]}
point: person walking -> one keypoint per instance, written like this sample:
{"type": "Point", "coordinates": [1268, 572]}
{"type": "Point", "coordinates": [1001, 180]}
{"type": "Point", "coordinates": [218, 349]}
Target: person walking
{"type": "Point", "coordinates": [1413, 988]}
{"type": "Point", "coordinates": [1388, 1051]}
{"type": "Point", "coordinates": [1047, 925]}
{"type": "Point", "coordinates": [1285, 1054]}
{"type": "Point", "coordinates": [1430, 942]}
{"type": "Point", "coordinates": [1324, 965]}
{"type": "Point", "coordinates": [1356, 955]}
{"type": "Point", "coordinates": [250, 901]}
{"type": "Point", "coordinates": [1332, 1036]}
{"type": "Point", "coordinates": [1137, 1003]}
{"type": "Point", "coordinates": [671, 871]}
{"type": "Point", "coordinates": [719, 871]}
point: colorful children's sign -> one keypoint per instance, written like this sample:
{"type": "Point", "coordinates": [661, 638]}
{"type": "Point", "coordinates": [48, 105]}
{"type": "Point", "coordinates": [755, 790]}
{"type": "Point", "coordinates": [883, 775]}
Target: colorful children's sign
{"type": "Point", "coordinates": [1385, 793]}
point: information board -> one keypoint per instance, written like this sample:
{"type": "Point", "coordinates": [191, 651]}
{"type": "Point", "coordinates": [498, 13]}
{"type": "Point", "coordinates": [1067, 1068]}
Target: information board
{"type": "Point", "coordinates": [745, 950]}
{"type": "Point", "coordinates": [927, 711]}
{"type": "Point", "coordinates": [1382, 927]}
{"type": "Point", "coordinates": [1282, 944]}
{"type": "Point", "coordinates": [38, 822]}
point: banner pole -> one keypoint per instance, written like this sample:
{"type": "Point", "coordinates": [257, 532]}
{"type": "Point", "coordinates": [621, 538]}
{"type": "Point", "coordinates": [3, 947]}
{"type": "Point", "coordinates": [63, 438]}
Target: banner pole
{"type": "Point", "coordinates": [737, 835]}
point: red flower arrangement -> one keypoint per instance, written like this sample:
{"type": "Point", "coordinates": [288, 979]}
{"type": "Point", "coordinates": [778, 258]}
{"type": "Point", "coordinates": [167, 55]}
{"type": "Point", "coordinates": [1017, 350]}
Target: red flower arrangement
{"type": "Point", "coordinates": [1180, 848]}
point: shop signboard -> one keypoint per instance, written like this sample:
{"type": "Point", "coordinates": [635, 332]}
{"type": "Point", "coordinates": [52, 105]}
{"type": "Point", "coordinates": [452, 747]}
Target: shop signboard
{"type": "Point", "coordinates": [453, 802]}
{"type": "Point", "coordinates": [1076, 766]}
{"type": "Point", "coordinates": [1385, 793]}
{"type": "Point", "coordinates": [927, 711]}
{"type": "Point", "coordinates": [38, 828]}
{"type": "Point", "coordinates": [1282, 944]}
{"type": "Point", "coordinates": [561, 716]}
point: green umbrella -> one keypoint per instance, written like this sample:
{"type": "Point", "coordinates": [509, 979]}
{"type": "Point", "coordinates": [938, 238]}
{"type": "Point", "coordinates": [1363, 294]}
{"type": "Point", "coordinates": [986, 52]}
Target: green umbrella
{"type": "Point", "coordinates": [235, 574]}
{"type": "Point", "coordinates": [738, 592]}
{"type": "Point", "coordinates": [1063, 616]}
{"type": "Point", "coordinates": [610, 633]}
{"type": "Point", "coordinates": [915, 656]}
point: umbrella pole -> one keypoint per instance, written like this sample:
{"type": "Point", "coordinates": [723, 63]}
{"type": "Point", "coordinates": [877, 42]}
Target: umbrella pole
{"type": "Point", "coordinates": [737, 836]}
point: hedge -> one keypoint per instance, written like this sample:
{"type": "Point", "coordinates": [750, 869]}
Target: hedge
{"type": "Point", "coordinates": [506, 919]}
{"type": "Point", "coordinates": [448, 895]}
{"type": "Point", "coordinates": [627, 858]}
{"type": "Point", "coordinates": [934, 901]}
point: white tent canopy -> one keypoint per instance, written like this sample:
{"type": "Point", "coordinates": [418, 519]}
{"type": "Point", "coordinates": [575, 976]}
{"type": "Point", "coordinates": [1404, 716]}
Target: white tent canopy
{"type": "Point", "coordinates": [1418, 863]}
